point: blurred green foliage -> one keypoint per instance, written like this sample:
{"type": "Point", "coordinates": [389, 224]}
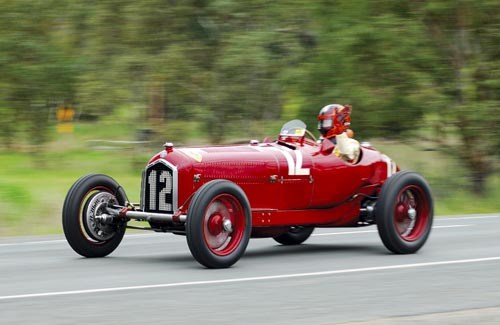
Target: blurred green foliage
{"type": "Point", "coordinates": [423, 70]}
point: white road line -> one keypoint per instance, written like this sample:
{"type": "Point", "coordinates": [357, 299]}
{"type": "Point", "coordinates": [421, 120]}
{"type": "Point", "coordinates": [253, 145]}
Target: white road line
{"type": "Point", "coordinates": [452, 226]}
{"type": "Point", "coordinates": [249, 279]}
{"type": "Point", "coordinates": [34, 242]}
{"type": "Point", "coordinates": [374, 231]}
{"type": "Point", "coordinates": [446, 218]}
{"type": "Point", "coordinates": [57, 241]}
{"type": "Point", "coordinates": [470, 217]}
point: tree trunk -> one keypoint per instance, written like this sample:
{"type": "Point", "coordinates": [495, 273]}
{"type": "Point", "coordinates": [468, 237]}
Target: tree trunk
{"type": "Point", "coordinates": [156, 103]}
{"type": "Point", "coordinates": [479, 183]}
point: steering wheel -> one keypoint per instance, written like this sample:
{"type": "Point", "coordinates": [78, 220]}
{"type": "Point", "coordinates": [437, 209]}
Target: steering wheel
{"type": "Point", "coordinates": [311, 136]}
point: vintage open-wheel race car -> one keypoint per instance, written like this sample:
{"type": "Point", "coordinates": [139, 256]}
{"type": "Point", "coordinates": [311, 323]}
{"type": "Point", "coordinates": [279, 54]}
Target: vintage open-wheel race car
{"type": "Point", "coordinates": [220, 196]}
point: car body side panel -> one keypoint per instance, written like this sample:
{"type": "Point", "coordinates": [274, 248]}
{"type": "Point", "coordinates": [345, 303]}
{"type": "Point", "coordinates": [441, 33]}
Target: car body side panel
{"type": "Point", "coordinates": [285, 184]}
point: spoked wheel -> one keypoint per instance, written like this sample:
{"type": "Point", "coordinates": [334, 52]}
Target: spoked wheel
{"type": "Point", "coordinates": [295, 235]}
{"type": "Point", "coordinates": [404, 212]}
{"type": "Point", "coordinates": [86, 200]}
{"type": "Point", "coordinates": [218, 224]}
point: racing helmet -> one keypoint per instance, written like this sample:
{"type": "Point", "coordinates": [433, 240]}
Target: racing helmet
{"type": "Point", "coordinates": [334, 119]}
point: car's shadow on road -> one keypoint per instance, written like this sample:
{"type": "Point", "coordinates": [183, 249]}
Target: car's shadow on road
{"type": "Point", "coordinates": [180, 258]}
{"type": "Point", "coordinates": [315, 249]}
{"type": "Point", "coordinates": [184, 260]}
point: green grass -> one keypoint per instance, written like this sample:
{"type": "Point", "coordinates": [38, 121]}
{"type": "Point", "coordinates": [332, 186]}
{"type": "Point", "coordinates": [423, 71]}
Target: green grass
{"type": "Point", "coordinates": [33, 187]}
{"type": "Point", "coordinates": [31, 198]}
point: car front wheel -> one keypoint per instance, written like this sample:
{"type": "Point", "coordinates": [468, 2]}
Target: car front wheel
{"type": "Point", "coordinates": [218, 224]}
{"type": "Point", "coordinates": [86, 200]}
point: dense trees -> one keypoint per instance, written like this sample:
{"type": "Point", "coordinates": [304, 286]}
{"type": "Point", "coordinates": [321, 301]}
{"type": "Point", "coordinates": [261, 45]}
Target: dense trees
{"type": "Point", "coordinates": [33, 71]}
{"type": "Point", "coordinates": [466, 36]}
{"type": "Point", "coordinates": [229, 61]}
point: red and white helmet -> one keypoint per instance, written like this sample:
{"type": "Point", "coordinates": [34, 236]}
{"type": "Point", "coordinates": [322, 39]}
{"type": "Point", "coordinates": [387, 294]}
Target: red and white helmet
{"type": "Point", "coordinates": [334, 119]}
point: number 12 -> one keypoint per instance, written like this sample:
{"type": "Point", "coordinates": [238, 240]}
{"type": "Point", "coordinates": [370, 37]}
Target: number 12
{"type": "Point", "coordinates": [165, 177]}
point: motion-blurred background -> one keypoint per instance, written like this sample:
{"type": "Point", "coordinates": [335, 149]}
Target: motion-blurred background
{"type": "Point", "coordinates": [98, 86]}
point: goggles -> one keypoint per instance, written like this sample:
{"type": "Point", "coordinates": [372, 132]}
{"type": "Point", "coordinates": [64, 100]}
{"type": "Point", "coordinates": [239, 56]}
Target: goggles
{"type": "Point", "coordinates": [326, 123]}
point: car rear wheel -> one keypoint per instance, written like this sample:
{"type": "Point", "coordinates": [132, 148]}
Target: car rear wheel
{"type": "Point", "coordinates": [295, 235]}
{"type": "Point", "coordinates": [404, 212]}
{"type": "Point", "coordinates": [86, 200]}
{"type": "Point", "coordinates": [218, 224]}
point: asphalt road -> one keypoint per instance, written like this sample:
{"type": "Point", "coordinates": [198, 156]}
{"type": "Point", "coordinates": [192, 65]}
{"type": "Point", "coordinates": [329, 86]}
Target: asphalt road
{"type": "Point", "coordinates": [338, 276]}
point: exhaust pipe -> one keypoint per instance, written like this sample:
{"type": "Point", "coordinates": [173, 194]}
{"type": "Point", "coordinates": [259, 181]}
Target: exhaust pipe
{"type": "Point", "coordinates": [116, 212]}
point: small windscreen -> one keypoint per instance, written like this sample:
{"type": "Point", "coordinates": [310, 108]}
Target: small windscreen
{"type": "Point", "coordinates": [294, 128]}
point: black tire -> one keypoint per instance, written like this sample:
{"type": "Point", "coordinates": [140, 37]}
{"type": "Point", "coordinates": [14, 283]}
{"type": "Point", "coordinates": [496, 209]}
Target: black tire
{"type": "Point", "coordinates": [218, 224]}
{"type": "Point", "coordinates": [404, 212]}
{"type": "Point", "coordinates": [295, 235]}
{"type": "Point", "coordinates": [84, 234]}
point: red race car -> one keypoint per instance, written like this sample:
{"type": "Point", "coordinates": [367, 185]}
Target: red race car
{"type": "Point", "coordinates": [220, 196]}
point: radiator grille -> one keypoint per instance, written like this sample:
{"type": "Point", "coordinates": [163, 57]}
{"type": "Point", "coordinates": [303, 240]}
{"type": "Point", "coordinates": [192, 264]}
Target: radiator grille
{"type": "Point", "coordinates": [159, 192]}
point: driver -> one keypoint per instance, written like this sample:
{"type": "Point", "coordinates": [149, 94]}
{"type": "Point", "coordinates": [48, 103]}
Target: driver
{"type": "Point", "coordinates": [333, 123]}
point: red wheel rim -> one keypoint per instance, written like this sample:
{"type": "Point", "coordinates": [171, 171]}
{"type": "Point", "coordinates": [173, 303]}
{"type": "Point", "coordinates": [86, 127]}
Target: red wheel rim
{"type": "Point", "coordinates": [223, 224]}
{"type": "Point", "coordinates": [411, 213]}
